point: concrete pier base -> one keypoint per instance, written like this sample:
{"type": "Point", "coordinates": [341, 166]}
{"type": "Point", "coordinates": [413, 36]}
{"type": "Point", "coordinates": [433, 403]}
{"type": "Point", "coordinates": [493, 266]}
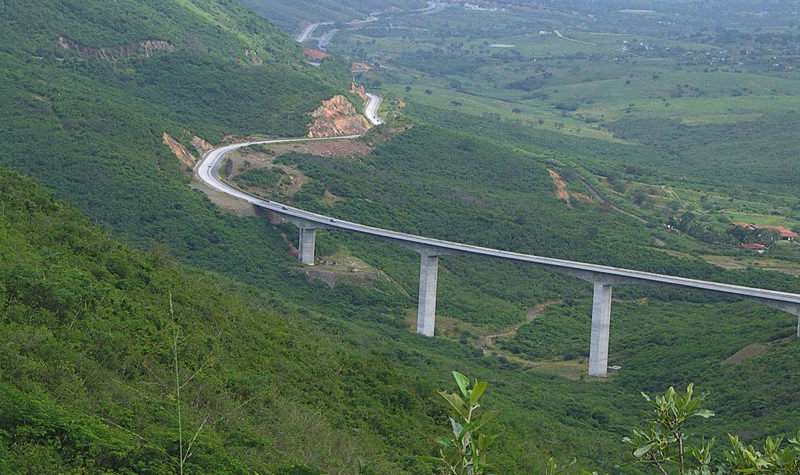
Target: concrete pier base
{"type": "Point", "coordinates": [426, 311]}
{"type": "Point", "coordinates": [308, 237]}
{"type": "Point", "coordinates": [601, 324]}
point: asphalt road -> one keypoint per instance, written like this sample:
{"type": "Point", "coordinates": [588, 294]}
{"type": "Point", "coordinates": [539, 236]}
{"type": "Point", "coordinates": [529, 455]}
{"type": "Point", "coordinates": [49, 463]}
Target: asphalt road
{"type": "Point", "coordinates": [307, 32]}
{"type": "Point", "coordinates": [371, 110]}
{"type": "Point", "coordinates": [207, 171]}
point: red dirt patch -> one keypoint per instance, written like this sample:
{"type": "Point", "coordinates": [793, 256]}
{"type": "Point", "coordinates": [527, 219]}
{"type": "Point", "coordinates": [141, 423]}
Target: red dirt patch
{"type": "Point", "coordinates": [561, 186]}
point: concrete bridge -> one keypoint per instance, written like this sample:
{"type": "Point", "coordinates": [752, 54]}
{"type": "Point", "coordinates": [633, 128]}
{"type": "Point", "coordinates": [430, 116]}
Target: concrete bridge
{"type": "Point", "coordinates": [602, 277]}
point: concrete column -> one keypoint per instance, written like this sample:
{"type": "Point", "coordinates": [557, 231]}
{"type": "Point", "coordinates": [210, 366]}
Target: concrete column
{"type": "Point", "coordinates": [601, 324]}
{"type": "Point", "coordinates": [308, 238]}
{"type": "Point", "coordinates": [426, 311]}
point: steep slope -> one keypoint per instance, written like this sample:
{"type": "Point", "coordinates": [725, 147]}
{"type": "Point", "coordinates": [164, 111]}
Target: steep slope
{"type": "Point", "coordinates": [91, 333]}
{"type": "Point", "coordinates": [92, 129]}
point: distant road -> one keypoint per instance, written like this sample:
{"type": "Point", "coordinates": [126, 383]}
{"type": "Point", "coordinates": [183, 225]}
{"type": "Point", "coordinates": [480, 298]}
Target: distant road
{"type": "Point", "coordinates": [310, 30]}
{"type": "Point", "coordinates": [558, 33]}
{"type": "Point", "coordinates": [373, 101]}
{"type": "Point", "coordinates": [307, 32]}
{"type": "Point", "coordinates": [371, 110]}
{"type": "Point", "coordinates": [326, 38]}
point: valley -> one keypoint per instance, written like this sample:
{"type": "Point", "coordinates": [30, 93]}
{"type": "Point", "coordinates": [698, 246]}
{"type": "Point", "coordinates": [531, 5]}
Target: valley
{"type": "Point", "coordinates": [139, 308]}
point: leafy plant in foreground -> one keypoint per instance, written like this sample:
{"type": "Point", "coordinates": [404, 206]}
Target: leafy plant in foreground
{"type": "Point", "coordinates": [464, 452]}
{"type": "Point", "coordinates": [663, 444]}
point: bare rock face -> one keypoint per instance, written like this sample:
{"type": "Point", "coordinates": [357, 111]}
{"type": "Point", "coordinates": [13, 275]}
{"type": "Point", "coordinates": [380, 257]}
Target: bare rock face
{"type": "Point", "coordinates": [186, 158]}
{"type": "Point", "coordinates": [201, 145]}
{"type": "Point", "coordinates": [336, 117]}
{"type": "Point", "coordinates": [362, 93]}
{"type": "Point", "coordinates": [114, 54]}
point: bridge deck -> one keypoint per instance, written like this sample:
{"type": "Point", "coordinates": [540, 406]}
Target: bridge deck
{"type": "Point", "coordinates": [207, 172]}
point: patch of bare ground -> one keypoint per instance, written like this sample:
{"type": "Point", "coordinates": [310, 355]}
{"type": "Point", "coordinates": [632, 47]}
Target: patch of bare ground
{"type": "Point", "coordinates": [328, 199]}
{"type": "Point", "coordinates": [345, 269]}
{"type": "Point", "coordinates": [181, 153]}
{"type": "Point", "coordinates": [749, 351]}
{"type": "Point", "coordinates": [339, 148]}
{"type": "Point", "coordinates": [777, 265]}
{"type": "Point", "coordinates": [224, 201]}
{"type": "Point", "coordinates": [244, 159]}
{"type": "Point", "coordinates": [561, 186]}
{"type": "Point", "coordinates": [487, 342]}
{"type": "Point", "coordinates": [330, 148]}
{"type": "Point", "coordinates": [451, 328]}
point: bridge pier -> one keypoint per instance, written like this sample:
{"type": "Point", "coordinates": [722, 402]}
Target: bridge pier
{"type": "Point", "coordinates": [305, 248]}
{"type": "Point", "coordinates": [601, 325]}
{"type": "Point", "coordinates": [426, 309]}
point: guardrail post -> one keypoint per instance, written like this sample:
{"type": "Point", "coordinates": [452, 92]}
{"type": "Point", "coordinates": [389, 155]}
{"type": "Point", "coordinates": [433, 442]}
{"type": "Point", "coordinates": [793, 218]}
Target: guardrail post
{"type": "Point", "coordinates": [426, 310]}
{"type": "Point", "coordinates": [601, 325]}
{"type": "Point", "coordinates": [308, 237]}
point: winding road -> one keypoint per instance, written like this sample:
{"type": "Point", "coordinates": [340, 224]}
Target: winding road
{"type": "Point", "coordinates": [371, 109]}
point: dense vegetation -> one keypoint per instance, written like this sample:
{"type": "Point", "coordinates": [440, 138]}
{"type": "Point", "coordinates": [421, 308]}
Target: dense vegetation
{"type": "Point", "coordinates": [293, 372]}
{"type": "Point", "coordinates": [88, 381]}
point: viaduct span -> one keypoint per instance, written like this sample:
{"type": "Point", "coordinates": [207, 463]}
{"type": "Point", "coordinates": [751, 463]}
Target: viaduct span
{"type": "Point", "coordinates": [602, 277]}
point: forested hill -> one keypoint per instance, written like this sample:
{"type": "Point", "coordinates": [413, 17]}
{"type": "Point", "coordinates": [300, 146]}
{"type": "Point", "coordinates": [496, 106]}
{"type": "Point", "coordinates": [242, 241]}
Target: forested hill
{"type": "Point", "coordinates": [88, 87]}
{"type": "Point", "coordinates": [217, 27]}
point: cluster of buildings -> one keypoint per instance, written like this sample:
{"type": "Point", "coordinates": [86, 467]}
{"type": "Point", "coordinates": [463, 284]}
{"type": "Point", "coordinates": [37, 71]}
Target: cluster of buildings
{"type": "Point", "coordinates": [783, 234]}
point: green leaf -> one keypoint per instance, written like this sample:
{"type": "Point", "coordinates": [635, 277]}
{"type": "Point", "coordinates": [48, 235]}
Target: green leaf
{"type": "Point", "coordinates": [643, 449]}
{"type": "Point", "coordinates": [477, 392]}
{"type": "Point", "coordinates": [455, 402]}
{"type": "Point", "coordinates": [705, 413]}
{"type": "Point", "coordinates": [462, 382]}
{"type": "Point", "coordinates": [446, 443]}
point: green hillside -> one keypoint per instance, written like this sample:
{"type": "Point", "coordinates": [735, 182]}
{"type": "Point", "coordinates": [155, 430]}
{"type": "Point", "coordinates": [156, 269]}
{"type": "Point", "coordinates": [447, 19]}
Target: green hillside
{"type": "Point", "coordinates": [285, 369]}
{"type": "Point", "coordinates": [88, 364]}
{"type": "Point", "coordinates": [290, 14]}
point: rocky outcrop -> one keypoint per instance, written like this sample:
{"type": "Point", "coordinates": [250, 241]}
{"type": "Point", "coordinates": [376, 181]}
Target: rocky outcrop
{"type": "Point", "coordinates": [118, 53]}
{"type": "Point", "coordinates": [336, 117]}
{"type": "Point", "coordinates": [201, 145]}
{"type": "Point", "coordinates": [362, 93]}
{"type": "Point", "coordinates": [179, 150]}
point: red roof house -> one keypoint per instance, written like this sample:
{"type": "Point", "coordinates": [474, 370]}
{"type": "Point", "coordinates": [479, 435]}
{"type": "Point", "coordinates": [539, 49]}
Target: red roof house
{"type": "Point", "coordinates": [785, 234]}
{"type": "Point", "coordinates": [315, 53]}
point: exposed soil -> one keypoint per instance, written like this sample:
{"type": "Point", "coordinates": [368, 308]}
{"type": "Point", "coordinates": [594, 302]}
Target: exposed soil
{"type": "Point", "coordinates": [201, 145]}
{"type": "Point", "coordinates": [749, 351]}
{"type": "Point", "coordinates": [336, 117]}
{"type": "Point", "coordinates": [561, 186]}
{"type": "Point", "coordinates": [114, 54]}
{"type": "Point", "coordinates": [339, 148]}
{"type": "Point", "coordinates": [486, 342]}
{"type": "Point", "coordinates": [345, 269]}
{"type": "Point", "coordinates": [183, 155]}
{"type": "Point", "coordinates": [224, 201]}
